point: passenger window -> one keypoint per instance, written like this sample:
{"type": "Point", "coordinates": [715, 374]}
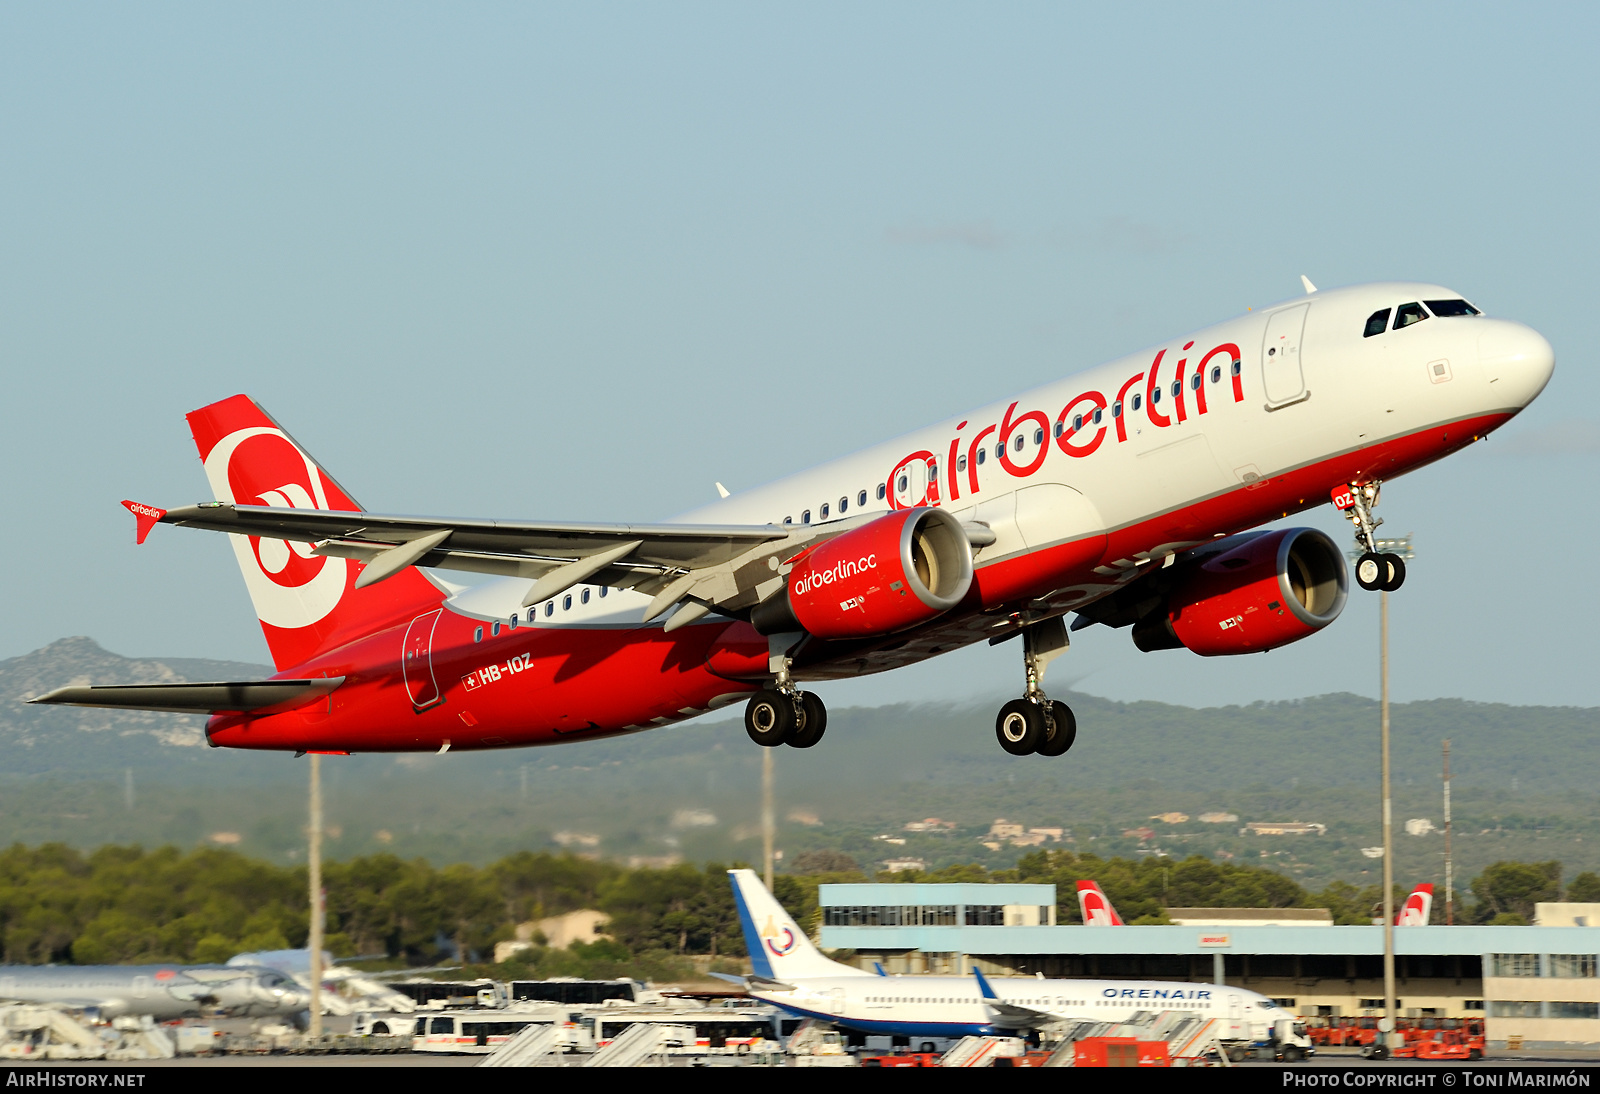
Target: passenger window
{"type": "Point", "coordinates": [1000, 450]}
{"type": "Point", "coordinates": [861, 498]}
{"type": "Point", "coordinates": [788, 520]}
{"type": "Point", "coordinates": [513, 620]}
{"type": "Point", "coordinates": [1138, 401]}
{"type": "Point", "coordinates": [824, 510]}
{"type": "Point", "coordinates": [1060, 427]}
{"type": "Point", "coordinates": [883, 489]}
{"type": "Point", "coordinates": [1099, 412]}
{"type": "Point", "coordinates": [549, 608]}
{"type": "Point", "coordinates": [1216, 373]}
{"type": "Point", "coordinates": [1155, 396]}
{"type": "Point", "coordinates": [1450, 309]}
{"type": "Point", "coordinates": [900, 487]}
{"type": "Point", "coordinates": [602, 592]}
{"type": "Point", "coordinates": [566, 603]}
{"type": "Point", "coordinates": [1077, 422]}
{"type": "Point", "coordinates": [477, 635]}
{"type": "Point", "coordinates": [1407, 314]}
{"type": "Point", "coordinates": [961, 465]}
{"type": "Point", "coordinates": [983, 454]}
{"type": "Point", "coordinates": [1177, 388]}
{"type": "Point", "coordinates": [805, 518]}
{"type": "Point", "coordinates": [1377, 323]}
{"type": "Point", "coordinates": [933, 469]}
{"type": "Point", "coordinates": [1020, 441]}
{"type": "Point", "coordinates": [1038, 436]}
{"type": "Point", "coordinates": [1238, 365]}
{"type": "Point", "coordinates": [586, 596]}
{"type": "Point", "coordinates": [844, 506]}
{"type": "Point", "coordinates": [494, 631]}
{"type": "Point", "coordinates": [1194, 382]}
{"type": "Point", "coordinates": [1116, 409]}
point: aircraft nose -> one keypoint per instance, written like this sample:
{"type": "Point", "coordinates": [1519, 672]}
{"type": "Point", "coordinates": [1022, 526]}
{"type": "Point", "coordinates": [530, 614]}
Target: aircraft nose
{"type": "Point", "coordinates": [1517, 359]}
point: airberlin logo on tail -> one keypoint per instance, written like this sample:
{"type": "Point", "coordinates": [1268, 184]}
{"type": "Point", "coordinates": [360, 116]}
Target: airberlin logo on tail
{"type": "Point", "coordinates": [837, 572]}
{"type": "Point", "coordinates": [290, 586]}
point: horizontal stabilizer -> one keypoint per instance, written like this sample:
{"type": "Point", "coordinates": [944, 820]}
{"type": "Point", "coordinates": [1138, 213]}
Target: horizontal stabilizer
{"type": "Point", "coordinates": [248, 695]}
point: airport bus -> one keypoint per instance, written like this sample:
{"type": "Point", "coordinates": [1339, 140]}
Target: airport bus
{"type": "Point", "coordinates": [742, 1029]}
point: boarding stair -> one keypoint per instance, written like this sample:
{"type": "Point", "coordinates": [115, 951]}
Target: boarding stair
{"type": "Point", "coordinates": [640, 1041]}
{"type": "Point", "coordinates": [538, 1045]}
{"type": "Point", "coordinates": [974, 1051]}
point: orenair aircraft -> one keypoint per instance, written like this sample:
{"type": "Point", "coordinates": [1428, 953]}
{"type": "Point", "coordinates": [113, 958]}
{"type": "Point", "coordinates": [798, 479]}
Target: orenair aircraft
{"type": "Point", "coordinates": [161, 991]}
{"type": "Point", "coordinates": [789, 972]}
{"type": "Point", "coordinates": [1124, 494]}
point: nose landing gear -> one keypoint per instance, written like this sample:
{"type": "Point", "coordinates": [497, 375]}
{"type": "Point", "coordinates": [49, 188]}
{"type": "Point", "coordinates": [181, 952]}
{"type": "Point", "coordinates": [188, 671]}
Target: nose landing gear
{"type": "Point", "coordinates": [1035, 723]}
{"type": "Point", "coordinates": [1374, 569]}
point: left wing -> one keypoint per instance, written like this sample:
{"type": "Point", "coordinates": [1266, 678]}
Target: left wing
{"type": "Point", "coordinates": [1010, 1014]}
{"type": "Point", "coordinates": [723, 566]}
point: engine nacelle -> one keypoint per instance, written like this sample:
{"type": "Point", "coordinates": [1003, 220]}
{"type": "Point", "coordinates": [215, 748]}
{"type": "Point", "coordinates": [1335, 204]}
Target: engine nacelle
{"type": "Point", "coordinates": [893, 573]}
{"type": "Point", "coordinates": [1269, 590]}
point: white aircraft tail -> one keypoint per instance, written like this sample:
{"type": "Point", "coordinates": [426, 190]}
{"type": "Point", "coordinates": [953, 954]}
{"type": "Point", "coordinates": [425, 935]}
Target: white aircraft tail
{"type": "Point", "coordinates": [1096, 906]}
{"type": "Point", "coordinates": [1417, 908]}
{"type": "Point", "coordinates": [779, 949]}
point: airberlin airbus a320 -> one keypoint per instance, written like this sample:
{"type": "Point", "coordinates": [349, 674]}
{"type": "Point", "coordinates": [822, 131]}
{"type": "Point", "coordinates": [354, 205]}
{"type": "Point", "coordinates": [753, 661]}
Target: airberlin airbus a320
{"type": "Point", "coordinates": [1123, 494]}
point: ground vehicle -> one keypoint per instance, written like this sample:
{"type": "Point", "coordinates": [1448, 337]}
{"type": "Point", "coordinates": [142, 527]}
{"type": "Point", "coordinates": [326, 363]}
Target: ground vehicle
{"type": "Point", "coordinates": [1286, 1039]}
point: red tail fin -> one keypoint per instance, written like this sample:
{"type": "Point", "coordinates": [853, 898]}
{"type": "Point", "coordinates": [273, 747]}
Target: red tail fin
{"type": "Point", "coordinates": [1096, 906]}
{"type": "Point", "coordinates": [307, 603]}
{"type": "Point", "coordinates": [1417, 908]}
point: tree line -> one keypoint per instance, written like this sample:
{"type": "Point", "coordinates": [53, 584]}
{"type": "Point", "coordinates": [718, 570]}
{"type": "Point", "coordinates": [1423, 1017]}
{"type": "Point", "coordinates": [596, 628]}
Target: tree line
{"type": "Point", "coordinates": [127, 904]}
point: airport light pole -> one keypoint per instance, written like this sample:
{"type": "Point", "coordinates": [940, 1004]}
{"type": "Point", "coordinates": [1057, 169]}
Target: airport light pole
{"type": "Point", "coordinates": [768, 823]}
{"type": "Point", "coordinates": [314, 864]}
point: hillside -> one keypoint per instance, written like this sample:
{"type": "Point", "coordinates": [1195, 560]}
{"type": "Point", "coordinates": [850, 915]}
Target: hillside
{"type": "Point", "coordinates": [1523, 781]}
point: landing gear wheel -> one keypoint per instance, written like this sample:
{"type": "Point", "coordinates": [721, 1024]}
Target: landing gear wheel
{"type": "Point", "coordinates": [1061, 732]}
{"type": "Point", "coordinates": [770, 718]}
{"type": "Point", "coordinates": [1020, 727]}
{"type": "Point", "coordinates": [813, 722]}
{"type": "Point", "coordinates": [1372, 571]}
{"type": "Point", "coordinates": [1394, 571]}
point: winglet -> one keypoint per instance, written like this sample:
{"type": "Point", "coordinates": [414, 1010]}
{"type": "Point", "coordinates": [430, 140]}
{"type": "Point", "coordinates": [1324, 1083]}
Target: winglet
{"type": "Point", "coordinates": [983, 985]}
{"type": "Point", "coordinates": [1306, 281]}
{"type": "Point", "coordinates": [144, 517]}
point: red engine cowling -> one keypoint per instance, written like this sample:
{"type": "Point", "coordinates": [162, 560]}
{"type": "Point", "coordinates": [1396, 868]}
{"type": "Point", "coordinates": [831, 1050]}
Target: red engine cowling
{"type": "Point", "coordinates": [897, 571]}
{"type": "Point", "coordinates": [1269, 590]}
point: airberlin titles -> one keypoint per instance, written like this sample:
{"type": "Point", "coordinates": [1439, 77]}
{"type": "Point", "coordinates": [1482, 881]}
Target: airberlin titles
{"type": "Point", "coordinates": [1086, 411]}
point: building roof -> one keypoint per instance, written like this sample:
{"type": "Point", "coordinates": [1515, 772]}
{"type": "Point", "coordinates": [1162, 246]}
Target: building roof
{"type": "Point", "coordinates": [1076, 940]}
{"type": "Point", "coordinates": [1244, 917]}
{"type": "Point", "coordinates": [878, 894]}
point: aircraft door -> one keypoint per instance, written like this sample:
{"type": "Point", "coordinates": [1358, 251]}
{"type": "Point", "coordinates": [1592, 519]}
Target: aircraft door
{"type": "Point", "coordinates": [910, 485]}
{"type": "Point", "coordinates": [1281, 375]}
{"type": "Point", "coordinates": [416, 661]}
{"type": "Point", "coordinates": [141, 986]}
{"type": "Point", "coordinates": [836, 1000]}
{"type": "Point", "coordinates": [1235, 1008]}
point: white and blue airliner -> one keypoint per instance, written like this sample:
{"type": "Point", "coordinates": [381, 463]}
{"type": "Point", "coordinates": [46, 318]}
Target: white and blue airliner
{"type": "Point", "coordinates": [791, 973]}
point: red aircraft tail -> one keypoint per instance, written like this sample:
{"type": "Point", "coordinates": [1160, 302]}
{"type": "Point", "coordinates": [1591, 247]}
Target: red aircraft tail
{"type": "Point", "coordinates": [307, 603]}
{"type": "Point", "coordinates": [1096, 906]}
{"type": "Point", "coordinates": [1417, 908]}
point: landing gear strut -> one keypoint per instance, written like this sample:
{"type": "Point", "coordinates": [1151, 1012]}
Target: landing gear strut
{"type": "Point", "coordinates": [1035, 723]}
{"type": "Point", "coordinates": [783, 714]}
{"type": "Point", "coordinates": [1374, 569]}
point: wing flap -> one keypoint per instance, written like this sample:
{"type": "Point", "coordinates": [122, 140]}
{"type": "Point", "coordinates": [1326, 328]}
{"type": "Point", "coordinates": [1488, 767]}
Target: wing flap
{"type": "Point", "coordinates": [258, 696]}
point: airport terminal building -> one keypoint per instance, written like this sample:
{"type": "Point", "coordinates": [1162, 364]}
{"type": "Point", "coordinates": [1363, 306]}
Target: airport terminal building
{"type": "Point", "coordinates": [1536, 983]}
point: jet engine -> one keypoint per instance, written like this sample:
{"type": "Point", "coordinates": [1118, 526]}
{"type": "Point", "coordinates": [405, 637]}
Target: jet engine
{"type": "Point", "coordinates": [892, 573]}
{"type": "Point", "coordinates": [1247, 594]}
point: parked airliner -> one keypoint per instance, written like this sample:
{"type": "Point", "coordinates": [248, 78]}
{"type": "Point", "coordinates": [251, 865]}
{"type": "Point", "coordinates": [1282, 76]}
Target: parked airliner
{"type": "Point", "coordinates": [161, 991]}
{"type": "Point", "coordinates": [1124, 494]}
{"type": "Point", "coordinates": [789, 972]}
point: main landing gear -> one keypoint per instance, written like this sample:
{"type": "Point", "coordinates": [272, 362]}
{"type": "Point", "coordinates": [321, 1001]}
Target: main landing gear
{"type": "Point", "coordinates": [1374, 569]}
{"type": "Point", "coordinates": [1035, 723]}
{"type": "Point", "coordinates": [783, 714]}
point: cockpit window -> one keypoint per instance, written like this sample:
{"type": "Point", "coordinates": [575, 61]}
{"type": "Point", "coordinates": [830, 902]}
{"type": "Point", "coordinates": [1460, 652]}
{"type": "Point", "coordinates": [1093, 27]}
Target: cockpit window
{"type": "Point", "coordinates": [1407, 314]}
{"type": "Point", "coordinates": [1450, 309]}
{"type": "Point", "coordinates": [1378, 323]}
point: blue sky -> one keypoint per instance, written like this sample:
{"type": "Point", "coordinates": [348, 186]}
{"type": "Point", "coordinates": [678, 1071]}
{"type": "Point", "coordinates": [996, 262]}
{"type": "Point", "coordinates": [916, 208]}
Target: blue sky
{"type": "Point", "coordinates": [580, 261]}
